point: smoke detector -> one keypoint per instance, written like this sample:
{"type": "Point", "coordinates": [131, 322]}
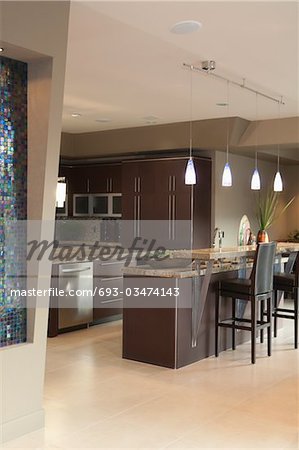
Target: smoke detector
{"type": "Point", "coordinates": [208, 65]}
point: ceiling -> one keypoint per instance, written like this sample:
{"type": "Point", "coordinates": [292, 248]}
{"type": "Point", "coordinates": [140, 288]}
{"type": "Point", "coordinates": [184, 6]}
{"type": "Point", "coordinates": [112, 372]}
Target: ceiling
{"type": "Point", "coordinates": [124, 66]}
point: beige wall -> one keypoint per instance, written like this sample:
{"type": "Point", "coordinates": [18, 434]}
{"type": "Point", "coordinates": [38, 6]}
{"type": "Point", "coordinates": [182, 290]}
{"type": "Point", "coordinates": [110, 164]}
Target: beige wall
{"type": "Point", "coordinates": [292, 184]}
{"type": "Point", "coordinates": [207, 134]}
{"type": "Point", "coordinates": [35, 32]}
{"type": "Point", "coordinates": [232, 203]}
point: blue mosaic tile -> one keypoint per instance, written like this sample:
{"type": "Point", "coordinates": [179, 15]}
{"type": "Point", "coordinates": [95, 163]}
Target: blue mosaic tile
{"type": "Point", "coordinates": [13, 196]}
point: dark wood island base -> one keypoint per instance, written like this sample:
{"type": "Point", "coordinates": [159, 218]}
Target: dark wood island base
{"type": "Point", "coordinates": [158, 329]}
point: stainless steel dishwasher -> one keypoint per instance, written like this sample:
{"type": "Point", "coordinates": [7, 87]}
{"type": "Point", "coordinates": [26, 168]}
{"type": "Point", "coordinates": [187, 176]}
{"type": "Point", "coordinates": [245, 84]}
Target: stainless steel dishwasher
{"type": "Point", "coordinates": [76, 306]}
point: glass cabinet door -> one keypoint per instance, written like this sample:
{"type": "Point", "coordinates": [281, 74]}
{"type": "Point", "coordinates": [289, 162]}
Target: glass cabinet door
{"type": "Point", "coordinates": [81, 205]}
{"type": "Point", "coordinates": [116, 205]}
{"type": "Point", "coordinates": [100, 204]}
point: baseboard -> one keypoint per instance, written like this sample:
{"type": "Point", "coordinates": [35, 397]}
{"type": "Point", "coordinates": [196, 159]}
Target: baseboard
{"type": "Point", "coordinates": [22, 425]}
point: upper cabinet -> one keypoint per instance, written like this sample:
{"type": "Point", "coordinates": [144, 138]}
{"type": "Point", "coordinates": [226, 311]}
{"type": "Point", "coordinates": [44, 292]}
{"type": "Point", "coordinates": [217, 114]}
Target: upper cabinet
{"type": "Point", "coordinates": [105, 178]}
{"type": "Point", "coordinates": [155, 190]}
{"type": "Point", "coordinates": [143, 191]}
{"type": "Point", "coordinates": [85, 180]}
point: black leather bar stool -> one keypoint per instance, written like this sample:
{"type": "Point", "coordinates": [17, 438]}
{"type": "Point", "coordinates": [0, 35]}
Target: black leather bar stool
{"type": "Point", "coordinates": [287, 282]}
{"type": "Point", "coordinates": [258, 288]}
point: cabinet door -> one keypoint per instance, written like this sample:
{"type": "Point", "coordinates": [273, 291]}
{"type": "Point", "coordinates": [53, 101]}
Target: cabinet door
{"type": "Point", "coordinates": [202, 203]}
{"type": "Point", "coordinates": [79, 180]}
{"type": "Point", "coordinates": [109, 281]}
{"type": "Point", "coordinates": [105, 178]}
{"type": "Point", "coordinates": [99, 180]}
{"type": "Point", "coordinates": [129, 188]}
{"type": "Point", "coordinates": [115, 174]}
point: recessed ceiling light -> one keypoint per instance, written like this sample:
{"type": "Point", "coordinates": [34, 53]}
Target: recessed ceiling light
{"type": "Point", "coordinates": [103, 120]}
{"type": "Point", "coordinates": [185, 27]}
{"type": "Point", "coordinates": [222, 104]}
{"type": "Point", "coordinates": [76, 115]}
{"type": "Point", "coordinates": [1, 49]}
{"type": "Point", "coordinates": [150, 119]}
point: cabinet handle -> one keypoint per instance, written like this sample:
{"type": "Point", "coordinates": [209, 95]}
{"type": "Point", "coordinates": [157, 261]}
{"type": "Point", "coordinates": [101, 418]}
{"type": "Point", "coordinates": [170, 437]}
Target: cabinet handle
{"type": "Point", "coordinates": [111, 263]}
{"type": "Point", "coordinates": [75, 270]}
{"type": "Point", "coordinates": [107, 184]}
{"type": "Point", "coordinates": [111, 279]}
{"type": "Point", "coordinates": [114, 300]}
{"type": "Point", "coordinates": [174, 183]}
{"type": "Point", "coordinates": [87, 184]}
{"type": "Point", "coordinates": [138, 215]}
{"type": "Point", "coordinates": [139, 184]}
{"type": "Point", "coordinates": [110, 184]}
{"type": "Point", "coordinates": [169, 216]}
{"type": "Point", "coordinates": [135, 216]}
{"type": "Point", "coordinates": [135, 184]}
{"type": "Point", "coordinates": [173, 217]}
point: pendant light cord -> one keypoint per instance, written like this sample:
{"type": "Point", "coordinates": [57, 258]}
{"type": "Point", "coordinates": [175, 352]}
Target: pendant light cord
{"type": "Point", "coordinates": [191, 110]}
{"type": "Point", "coordinates": [256, 134]}
{"type": "Point", "coordinates": [278, 141]}
{"type": "Point", "coordinates": [227, 121]}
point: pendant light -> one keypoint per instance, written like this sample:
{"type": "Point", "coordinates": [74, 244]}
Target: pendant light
{"type": "Point", "coordinates": [190, 173]}
{"type": "Point", "coordinates": [60, 192]}
{"type": "Point", "coordinates": [227, 179]}
{"type": "Point", "coordinates": [278, 184]}
{"type": "Point", "coordinates": [256, 179]}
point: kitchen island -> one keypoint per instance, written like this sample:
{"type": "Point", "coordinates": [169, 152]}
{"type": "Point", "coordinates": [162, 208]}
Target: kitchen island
{"type": "Point", "coordinates": [168, 316]}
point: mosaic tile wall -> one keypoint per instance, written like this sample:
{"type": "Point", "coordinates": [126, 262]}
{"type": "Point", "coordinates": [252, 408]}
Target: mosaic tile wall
{"type": "Point", "coordinates": [13, 196]}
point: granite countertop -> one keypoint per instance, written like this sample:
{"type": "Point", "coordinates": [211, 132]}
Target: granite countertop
{"type": "Point", "coordinates": [211, 254]}
{"type": "Point", "coordinates": [147, 271]}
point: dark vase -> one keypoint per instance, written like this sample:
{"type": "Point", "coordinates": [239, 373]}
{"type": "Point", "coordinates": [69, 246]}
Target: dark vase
{"type": "Point", "coordinates": [262, 236]}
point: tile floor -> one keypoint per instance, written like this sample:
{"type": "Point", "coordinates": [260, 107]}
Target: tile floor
{"type": "Point", "coordinates": [94, 399]}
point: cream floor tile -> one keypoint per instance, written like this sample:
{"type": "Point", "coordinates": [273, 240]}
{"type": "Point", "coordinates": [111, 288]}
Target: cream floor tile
{"type": "Point", "coordinates": [95, 399]}
{"type": "Point", "coordinates": [238, 430]}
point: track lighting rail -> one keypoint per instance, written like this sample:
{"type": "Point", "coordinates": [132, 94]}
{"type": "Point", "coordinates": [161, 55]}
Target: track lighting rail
{"type": "Point", "coordinates": [235, 83]}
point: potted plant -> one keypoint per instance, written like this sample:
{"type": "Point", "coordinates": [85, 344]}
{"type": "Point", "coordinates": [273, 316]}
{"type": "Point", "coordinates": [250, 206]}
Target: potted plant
{"type": "Point", "coordinates": [267, 212]}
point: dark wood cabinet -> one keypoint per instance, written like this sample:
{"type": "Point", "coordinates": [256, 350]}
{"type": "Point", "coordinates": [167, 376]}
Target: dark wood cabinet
{"type": "Point", "coordinates": [105, 179]}
{"type": "Point", "coordinates": [155, 190]}
{"type": "Point", "coordinates": [108, 282]}
{"type": "Point", "coordinates": [98, 179]}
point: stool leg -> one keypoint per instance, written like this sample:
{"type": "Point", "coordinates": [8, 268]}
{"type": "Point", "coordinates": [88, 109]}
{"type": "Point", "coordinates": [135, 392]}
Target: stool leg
{"type": "Point", "coordinates": [296, 301]}
{"type": "Point", "coordinates": [253, 330]}
{"type": "Point", "coordinates": [262, 318]}
{"type": "Point", "coordinates": [216, 322]}
{"type": "Point", "coordinates": [269, 329]}
{"type": "Point", "coordinates": [233, 327]}
{"type": "Point", "coordinates": [274, 313]}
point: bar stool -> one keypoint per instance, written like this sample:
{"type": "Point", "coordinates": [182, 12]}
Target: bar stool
{"type": "Point", "coordinates": [287, 282]}
{"type": "Point", "coordinates": [258, 288]}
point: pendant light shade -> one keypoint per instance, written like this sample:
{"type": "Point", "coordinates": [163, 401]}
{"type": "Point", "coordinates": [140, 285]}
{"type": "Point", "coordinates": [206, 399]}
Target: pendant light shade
{"type": "Point", "coordinates": [190, 173]}
{"type": "Point", "coordinates": [60, 193]}
{"type": "Point", "coordinates": [278, 185]}
{"type": "Point", "coordinates": [227, 179]}
{"type": "Point", "coordinates": [256, 181]}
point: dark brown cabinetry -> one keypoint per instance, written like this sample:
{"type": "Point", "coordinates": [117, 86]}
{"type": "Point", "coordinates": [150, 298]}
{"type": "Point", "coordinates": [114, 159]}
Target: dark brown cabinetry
{"type": "Point", "coordinates": [154, 190]}
{"type": "Point", "coordinates": [85, 180]}
{"type": "Point", "coordinates": [108, 286]}
{"type": "Point", "coordinates": [105, 178]}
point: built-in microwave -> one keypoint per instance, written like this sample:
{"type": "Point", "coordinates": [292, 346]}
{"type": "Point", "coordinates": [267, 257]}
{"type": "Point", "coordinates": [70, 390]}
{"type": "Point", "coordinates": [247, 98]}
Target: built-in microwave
{"type": "Point", "coordinates": [100, 205]}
